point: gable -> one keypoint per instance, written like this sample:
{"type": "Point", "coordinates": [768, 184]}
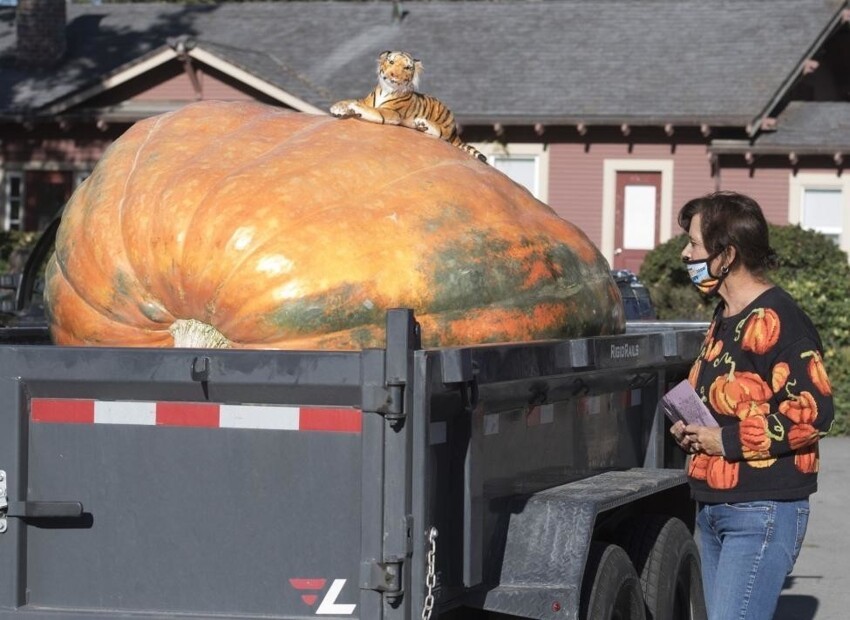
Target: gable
{"type": "Point", "coordinates": [166, 80]}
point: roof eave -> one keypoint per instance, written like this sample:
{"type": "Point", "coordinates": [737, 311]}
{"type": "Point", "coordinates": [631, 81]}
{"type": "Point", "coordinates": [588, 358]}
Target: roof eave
{"type": "Point", "coordinates": [842, 16]}
{"type": "Point", "coordinates": [734, 147]}
{"type": "Point", "coordinates": [737, 121]}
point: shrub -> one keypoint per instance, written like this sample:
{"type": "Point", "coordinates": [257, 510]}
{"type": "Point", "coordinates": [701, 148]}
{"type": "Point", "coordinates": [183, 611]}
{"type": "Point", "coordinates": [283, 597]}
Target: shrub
{"type": "Point", "coordinates": [14, 247]}
{"type": "Point", "coordinates": [812, 269]}
{"type": "Point", "coordinates": [837, 362]}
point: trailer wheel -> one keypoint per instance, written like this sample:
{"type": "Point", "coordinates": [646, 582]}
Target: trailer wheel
{"type": "Point", "coordinates": [611, 587]}
{"type": "Point", "coordinates": [666, 557]}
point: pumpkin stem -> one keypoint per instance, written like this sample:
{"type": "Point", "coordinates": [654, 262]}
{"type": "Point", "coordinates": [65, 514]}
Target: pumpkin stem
{"type": "Point", "coordinates": [193, 334]}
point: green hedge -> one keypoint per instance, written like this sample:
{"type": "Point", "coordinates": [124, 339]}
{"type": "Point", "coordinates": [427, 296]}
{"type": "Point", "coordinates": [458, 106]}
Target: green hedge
{"type": "Point", "coordinates": [812, 269]}
{"type": "Point", "coordinates": [12, 241]}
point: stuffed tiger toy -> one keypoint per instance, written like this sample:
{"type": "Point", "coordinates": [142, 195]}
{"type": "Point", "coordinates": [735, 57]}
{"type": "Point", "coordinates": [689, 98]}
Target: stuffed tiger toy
{"type": "Point", "coordinates": [396, 102]}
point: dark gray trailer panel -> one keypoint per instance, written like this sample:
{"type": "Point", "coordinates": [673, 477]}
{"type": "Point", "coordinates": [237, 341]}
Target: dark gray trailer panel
{"type": "Point", "coordinates": [197, 512]}
{"type": "Point", "coordinates": [184, 514]}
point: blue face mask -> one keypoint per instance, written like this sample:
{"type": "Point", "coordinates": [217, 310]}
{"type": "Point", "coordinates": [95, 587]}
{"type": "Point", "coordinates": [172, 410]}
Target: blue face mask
{"type": "Point", "coordinates": [701, 275]}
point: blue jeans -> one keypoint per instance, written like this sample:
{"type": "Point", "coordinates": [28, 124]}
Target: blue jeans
{"type": "Point", "coordinates": [747, 550]}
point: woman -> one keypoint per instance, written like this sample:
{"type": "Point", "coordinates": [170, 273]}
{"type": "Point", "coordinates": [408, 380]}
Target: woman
{"type": "Point", "coordinates": [761, 375]}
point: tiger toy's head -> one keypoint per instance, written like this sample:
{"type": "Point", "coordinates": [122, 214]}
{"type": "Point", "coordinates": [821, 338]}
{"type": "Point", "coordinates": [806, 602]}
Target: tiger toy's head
{"type": "Point", "coordinates": [398, 72]}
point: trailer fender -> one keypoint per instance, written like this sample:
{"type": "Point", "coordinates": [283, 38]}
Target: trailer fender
{"type": "Point", "coordinates": [540, 542]}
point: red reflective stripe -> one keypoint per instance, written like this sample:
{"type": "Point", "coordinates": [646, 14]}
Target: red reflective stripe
{"type": "Point", "coordinates": [307, 584]}
{"type": "Point", "coordinates": [338, 420]}
{"type": "Point", "coordinates": [62, 410]}
{"type": "Point", "coordinates": [206, 415]}
{"type": "Point", "coordinates": [187, 414]}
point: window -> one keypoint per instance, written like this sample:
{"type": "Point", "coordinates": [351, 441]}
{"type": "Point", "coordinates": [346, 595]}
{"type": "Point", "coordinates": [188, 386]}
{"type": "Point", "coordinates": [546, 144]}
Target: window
{"type": "Point", "coordinates": [527, 164]}
{"type": "Point", "coordinates": [523, 170]}
{"type": "Point", "coordinates": [821, 211]}
{"type": "Point", "coordinates": [821, 202]}
{"type": "Point", "coordinates": [14, 208]}
{"type": "Point", "coordinates": [639, 217]}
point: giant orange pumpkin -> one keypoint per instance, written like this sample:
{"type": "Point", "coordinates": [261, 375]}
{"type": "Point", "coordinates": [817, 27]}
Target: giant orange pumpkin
{"type": "Point", "coordinates": [238, 224]}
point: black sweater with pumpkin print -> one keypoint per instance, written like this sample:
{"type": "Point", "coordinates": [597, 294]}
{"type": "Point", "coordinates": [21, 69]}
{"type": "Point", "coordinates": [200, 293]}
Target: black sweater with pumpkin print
{"type": "Point", "coordinates": [760, 373]}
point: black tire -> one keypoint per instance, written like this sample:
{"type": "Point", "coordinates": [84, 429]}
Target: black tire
{"type": "Point", "coordinates": [666, 557]}
{"type": "Point", "coordinates": [610, 589]}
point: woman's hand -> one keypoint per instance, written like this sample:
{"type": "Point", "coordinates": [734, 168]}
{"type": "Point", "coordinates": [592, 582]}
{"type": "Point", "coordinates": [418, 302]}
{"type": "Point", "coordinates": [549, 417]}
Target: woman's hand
{"type": "Point", "coordinates": [678, 432]}
{"type": "Point", "coordinates": [703, 439]}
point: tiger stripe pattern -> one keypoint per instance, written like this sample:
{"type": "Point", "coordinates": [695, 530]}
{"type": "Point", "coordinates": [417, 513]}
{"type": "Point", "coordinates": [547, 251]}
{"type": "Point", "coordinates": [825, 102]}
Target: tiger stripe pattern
{"type": "Point", "coordinates": [394, 101]}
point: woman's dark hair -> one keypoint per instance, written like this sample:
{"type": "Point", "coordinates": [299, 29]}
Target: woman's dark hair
{"type": "Point", "coordinates": [732, 219]}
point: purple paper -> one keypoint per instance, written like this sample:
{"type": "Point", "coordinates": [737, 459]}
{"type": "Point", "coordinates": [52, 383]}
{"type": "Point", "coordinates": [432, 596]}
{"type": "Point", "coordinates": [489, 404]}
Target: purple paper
{"type": "Point", "coordinates": [683, 403]}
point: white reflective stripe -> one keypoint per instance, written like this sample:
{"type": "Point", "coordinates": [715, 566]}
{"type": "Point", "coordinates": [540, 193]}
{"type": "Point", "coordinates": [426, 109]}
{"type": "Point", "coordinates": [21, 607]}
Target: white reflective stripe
{"type": "Point", "coordinates": [547, 414]}
{"type": "Point", "coordinates": [491, 424]}
{"type": "Point", "coordinates": [127, 412]}
{"type": "Point", "coordinates": [246, 416]}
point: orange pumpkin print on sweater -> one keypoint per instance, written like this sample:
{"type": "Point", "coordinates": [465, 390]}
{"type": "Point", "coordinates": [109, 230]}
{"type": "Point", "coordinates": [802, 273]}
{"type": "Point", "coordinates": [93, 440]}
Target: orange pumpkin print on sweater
{"type": "Point", "coordinates": [754, 434]}
{"type": "Point", "coordinates": [779, 376]}
{"type": "Point", "coordinates": [761, 331]}
{"type": "Point", "coordinates": [722, 474]}
{"type": "Point", "coordinates": [714, 349]}
{"type": "Point", "coordinates": [698, 466]}
{"type": "Point", "coordinates": [807, 460]}
{"type": "Point", "coordinates": [817, 373]}
{"type": "Point", "coordinates": [715, 470]}
{"type": "Point", "coordinates": [802, 435]}
{"type": "Point", "coordinates": [741, 394]}
{"type": "Point", "coordinates": [694, 373]}
{"type": "Point", "coordinates": [800, 409]}
{"type": "Point", "coordinates": [755, 442]}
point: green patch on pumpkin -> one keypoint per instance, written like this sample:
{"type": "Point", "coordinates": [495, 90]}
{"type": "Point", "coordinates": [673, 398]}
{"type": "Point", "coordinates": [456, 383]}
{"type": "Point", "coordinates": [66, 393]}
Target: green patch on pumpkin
{"type": "Point", "coordinates": [473, 274]}
{"type": "Point", "coordinates": [344, 307]}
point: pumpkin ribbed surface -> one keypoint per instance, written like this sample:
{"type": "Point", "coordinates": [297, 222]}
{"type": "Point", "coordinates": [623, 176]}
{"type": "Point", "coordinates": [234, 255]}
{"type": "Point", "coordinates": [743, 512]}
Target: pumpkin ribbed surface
{"type": "Point", "coordinates": [274, 229]}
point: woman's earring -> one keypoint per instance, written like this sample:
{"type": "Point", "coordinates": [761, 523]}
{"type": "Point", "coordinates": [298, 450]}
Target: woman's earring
{"type": "Point", "coordinates": [724, 270]}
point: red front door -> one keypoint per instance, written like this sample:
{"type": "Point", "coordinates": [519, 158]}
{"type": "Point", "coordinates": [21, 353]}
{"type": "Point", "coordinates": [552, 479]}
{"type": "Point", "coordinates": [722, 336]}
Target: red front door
{"type": "Point", "coordinates": [638, 211]}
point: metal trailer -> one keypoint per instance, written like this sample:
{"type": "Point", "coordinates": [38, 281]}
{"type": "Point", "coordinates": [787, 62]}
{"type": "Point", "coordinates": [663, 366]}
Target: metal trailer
{"type": "Point", "coordinates": [391, 483]}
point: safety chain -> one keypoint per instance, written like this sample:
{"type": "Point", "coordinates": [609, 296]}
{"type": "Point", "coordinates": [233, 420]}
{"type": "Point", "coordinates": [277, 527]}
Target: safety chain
{"type": "Point", "coordinates": [431, 576]}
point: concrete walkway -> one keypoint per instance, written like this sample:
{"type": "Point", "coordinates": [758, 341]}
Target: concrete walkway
{"type": "Point", "coordinates": [819, 586]}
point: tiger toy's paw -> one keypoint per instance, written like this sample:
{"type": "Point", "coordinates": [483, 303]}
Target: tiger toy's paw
{"type": "Point", "coordinates": [344, 109]}
{"type": "Point", "coordinates": [420, 124]}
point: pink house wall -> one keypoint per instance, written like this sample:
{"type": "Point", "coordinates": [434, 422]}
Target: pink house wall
{"type": "Point", "coordinates": [768, 186]}
{"type": "Point", "coordinates": [576, 178]}
{"type": "Point", "coordinates": [180, 88]}
{"type": "Point", "coordinates": [576, 181]}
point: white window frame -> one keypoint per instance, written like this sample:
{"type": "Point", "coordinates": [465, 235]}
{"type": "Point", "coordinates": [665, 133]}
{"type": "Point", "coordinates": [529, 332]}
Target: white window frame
{"type": "Point", "coordinates": [611, 167]}
{"type": "Point", "coordinates": [802, 181]}
{"type": "Point", "coordinates": [7, 176]}
{"type": "Point", "coordinates": [81, 173]}
{"type": "Point", "coordinates": [523, 150]}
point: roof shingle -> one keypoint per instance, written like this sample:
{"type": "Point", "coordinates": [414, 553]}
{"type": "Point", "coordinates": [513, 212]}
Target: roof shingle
{"type": "Point", "coordinates": [717, 61]}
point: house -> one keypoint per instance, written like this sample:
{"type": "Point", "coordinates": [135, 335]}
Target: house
{"type": "Point", "coordinates": [614, 113]}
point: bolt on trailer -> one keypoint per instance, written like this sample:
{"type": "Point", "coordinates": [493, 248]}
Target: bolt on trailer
{"type": "Point", "coordinates": [391, 483]}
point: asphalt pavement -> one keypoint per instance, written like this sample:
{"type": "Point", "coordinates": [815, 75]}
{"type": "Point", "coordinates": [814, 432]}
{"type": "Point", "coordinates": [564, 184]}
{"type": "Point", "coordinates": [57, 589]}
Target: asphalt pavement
{"type": "Point", "coordinates": [819, 586]}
